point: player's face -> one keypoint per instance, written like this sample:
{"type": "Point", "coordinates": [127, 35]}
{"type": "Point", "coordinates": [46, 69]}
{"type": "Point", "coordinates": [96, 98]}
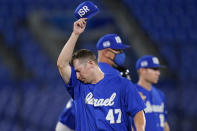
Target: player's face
{"type": "Point", "coordinates": [152, 75]}
{"type": "Point", "coordinates": [83, 71]}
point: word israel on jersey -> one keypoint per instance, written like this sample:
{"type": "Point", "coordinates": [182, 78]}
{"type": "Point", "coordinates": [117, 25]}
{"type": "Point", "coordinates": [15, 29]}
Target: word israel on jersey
{"type": "Point", "coordinates": [154, 108]}
{"type": "Point", "coordinates": [100, 102]}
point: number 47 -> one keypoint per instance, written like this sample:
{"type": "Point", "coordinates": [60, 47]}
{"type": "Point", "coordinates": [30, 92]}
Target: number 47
{"type": "Point", "coordinates": [110, 115]}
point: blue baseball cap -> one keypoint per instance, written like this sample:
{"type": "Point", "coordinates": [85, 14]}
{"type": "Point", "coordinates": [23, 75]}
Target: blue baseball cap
{"type": "Point", "coordinates": [86, 9]}
{"type": "Point", "coordinates": [112, 41]}
{"type": "Point", "coordinates": [148, 61]}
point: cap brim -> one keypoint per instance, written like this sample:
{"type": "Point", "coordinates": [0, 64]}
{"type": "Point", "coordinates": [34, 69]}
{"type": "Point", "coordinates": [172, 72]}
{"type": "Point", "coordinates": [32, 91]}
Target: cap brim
{"type": "Point", "coordinates": [120, 46]}
{"type": "Point", "coordinates": [158, 66]}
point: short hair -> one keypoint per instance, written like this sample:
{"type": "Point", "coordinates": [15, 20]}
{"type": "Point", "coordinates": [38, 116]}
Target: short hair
{"type": "Point", "coordinates": [84, 54]}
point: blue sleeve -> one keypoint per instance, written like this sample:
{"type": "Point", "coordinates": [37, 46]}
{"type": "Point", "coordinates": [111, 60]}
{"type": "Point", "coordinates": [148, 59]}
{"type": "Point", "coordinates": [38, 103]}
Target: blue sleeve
{"type": "Point", "coordinates": [74, 84]}
{"type": "Point", "coordinates": [67, 117]}
{"type": "Point", "coordinates": [133, 101]}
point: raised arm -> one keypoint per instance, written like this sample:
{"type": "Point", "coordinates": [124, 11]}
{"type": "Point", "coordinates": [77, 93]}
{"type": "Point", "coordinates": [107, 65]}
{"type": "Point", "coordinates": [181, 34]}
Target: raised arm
{"type": "Point", "coordinates": [66, 53]}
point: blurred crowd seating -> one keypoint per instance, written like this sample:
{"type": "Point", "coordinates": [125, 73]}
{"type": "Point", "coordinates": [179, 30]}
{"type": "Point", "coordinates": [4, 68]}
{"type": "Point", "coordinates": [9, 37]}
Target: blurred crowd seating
{"type": "Point", "coordinates": [29, 104]}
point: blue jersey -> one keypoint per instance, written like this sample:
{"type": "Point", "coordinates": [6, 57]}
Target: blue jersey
{"type": "Point", "coordinates": [155, 111]}
{"type": "Point", "coordinates": [105, 105]}
{"type": "Point", "coordinates": [67, 117]}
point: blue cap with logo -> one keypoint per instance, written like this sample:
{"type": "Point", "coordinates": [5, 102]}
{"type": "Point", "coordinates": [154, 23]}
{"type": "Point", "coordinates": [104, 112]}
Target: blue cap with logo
{"type": "Point", "coordinates": [148, 61]}
{"type": "Point", "coordinates": [86, 9]}
{"type": "Point", "coordinates": [112, 41]}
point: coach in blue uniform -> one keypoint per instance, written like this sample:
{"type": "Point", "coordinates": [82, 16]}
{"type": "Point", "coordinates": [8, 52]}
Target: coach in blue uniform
{"type": "Point", "coordinates": [111, 56]}
{"type": "Point", "coordinates": [110, 60]}
{"type": "Point", "coordinates": [155, 112]}
{"type": "Point", "coordinates": [102, 101]}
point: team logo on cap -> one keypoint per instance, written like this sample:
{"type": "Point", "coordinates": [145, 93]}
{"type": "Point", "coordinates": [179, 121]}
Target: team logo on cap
{"type": "Point", "coordinates": [155, 60]}
{"type": "Point", "coordinates": [106, 44]}
{"type": "Point", "coordinates": [83, 11]}
{"type": "Point", "coordinates": [144, 63]}
{"type": "Point", "coordinates": [86, 9]}
{"type": "Point", "coordinates": [118, 40]}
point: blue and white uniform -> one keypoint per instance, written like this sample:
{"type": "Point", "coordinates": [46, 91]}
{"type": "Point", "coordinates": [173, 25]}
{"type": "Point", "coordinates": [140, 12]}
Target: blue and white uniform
{"type": "Point", "coordinates": [65, 116]}
{"type": "Point", "coordinates": [155, 111]}
{"type": "Point", "coordinates": [112, 41]}
{"type": "Point", "coordinates": [105, 105]}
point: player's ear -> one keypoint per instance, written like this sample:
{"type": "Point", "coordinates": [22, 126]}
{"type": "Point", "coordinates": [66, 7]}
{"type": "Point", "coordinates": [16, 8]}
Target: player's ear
{"type": "Point", "coordinates": [106, 52]}
{"type": "Point", "coordinates": [141, 70]}
{"type": "Point", "coordinates": [103, 52]}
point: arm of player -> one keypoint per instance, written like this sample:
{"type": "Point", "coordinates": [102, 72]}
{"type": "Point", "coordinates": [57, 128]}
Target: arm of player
{"type": "Point", "coordinates": [140, 121]}
{"type": "Point", "coordinates": [166, 126]}
{"type": "Point", "coordinates": [66, 53]}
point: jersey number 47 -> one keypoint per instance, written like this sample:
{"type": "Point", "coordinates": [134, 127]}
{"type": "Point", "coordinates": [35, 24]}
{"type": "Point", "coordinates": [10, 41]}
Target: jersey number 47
{"type": "Point", "coordinates": [111, 113]}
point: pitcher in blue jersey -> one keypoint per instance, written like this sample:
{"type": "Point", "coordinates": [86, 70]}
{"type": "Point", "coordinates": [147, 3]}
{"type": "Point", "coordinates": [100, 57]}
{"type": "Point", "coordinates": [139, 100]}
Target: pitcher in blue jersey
{"type": "Point", "coordinates": [102, 101]}
{"type": "Point", "coordinates": [155, 112]}
{"type": "Point", "coordinates": [108, 63]}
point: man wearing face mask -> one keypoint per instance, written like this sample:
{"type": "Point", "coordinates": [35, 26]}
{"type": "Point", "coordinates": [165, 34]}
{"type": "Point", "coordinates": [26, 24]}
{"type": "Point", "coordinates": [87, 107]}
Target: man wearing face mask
{"type": "Point", "coordinates": [110, 54]}
{"type": "Point", "coordinates": [110, 60]}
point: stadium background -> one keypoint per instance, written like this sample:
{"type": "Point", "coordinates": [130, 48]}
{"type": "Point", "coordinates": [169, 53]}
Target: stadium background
{"type": "Point", "coordinates": [32, 33]}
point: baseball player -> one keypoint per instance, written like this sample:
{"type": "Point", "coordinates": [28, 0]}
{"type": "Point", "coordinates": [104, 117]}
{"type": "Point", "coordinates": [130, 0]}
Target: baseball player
{"type": "Point", "coordinates": [102, 101]}
{"type": "Point", "coordinates": [156, 114]}
{"type": "Point", "coordinates": [110, 60]}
